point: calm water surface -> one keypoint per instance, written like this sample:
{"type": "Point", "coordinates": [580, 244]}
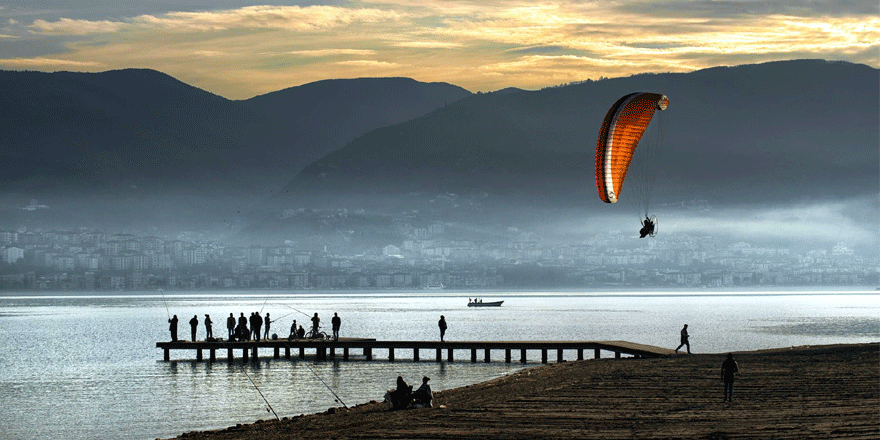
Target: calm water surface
{"type": "Point", "coordinates": [84, 366]}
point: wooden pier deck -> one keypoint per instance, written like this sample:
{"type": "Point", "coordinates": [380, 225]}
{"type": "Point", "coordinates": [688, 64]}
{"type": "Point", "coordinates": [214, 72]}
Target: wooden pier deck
{"type": "Point", "coordinates": [341, 349]}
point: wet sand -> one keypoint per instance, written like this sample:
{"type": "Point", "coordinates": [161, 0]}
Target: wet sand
{"type": "Point", "coordinates": [790, 393]}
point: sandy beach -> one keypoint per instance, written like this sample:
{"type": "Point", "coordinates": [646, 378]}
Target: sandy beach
{"type": "Point", "coordinates": [812, 392]}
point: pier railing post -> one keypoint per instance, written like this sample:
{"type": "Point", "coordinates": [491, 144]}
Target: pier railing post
{"type": "Point", "coordinates": [507, 355]}
{"type": "Point", "coordinates": [345, 353]}
{"type": "Point", "coordinates": [616, 355]}
{"type": "Point", "coordinates": [415, 354]}
{"type": "Point", "coordinates": [559, 355]}
{"type": "Point", "coordinates": [277, 352]}
{"type": "Point", "coordinates": [596, 353]}
{"type": "Point", "coordinates": [439, 354]}
{"type": "Point", "coordinates": [286, 352]}
{"type": "Point", "coordinates": [368, 352]}
{"type": "Point", "coordinates": [167, 354]}
{"type": "Point", "coordinates": [302, 352]}
{"type": "Point", "coordinates": [229, 355]}
{"type": "Point", "coordinates": [213, 355]}
{"type": "Point", "coordinates": [522, 355]}
{"type": "Point", "coordinates": [580, 354]}
{"type": "Point", "coordinates": [543, 355]}
{"type": "Point", "coordinates": [473, 355]}
{"type": "Point", "coordinates": [244, 354]}
{"type": "Point", "coordinates": [487, 356]}
{"type": "Point", "coordinates": [199, 354]}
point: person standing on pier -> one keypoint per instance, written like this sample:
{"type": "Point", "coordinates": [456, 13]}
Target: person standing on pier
{"type": "Point", "coordinates": [230, 325]}
{"type": "Point", "coordinates": [293, 334]}
{"type": "Point", "coordinates": [316, 322]}
{"type": "Point", "coordinates": [173, 328]}
{"type": "Point", "coordinates": [194, 325]}
{"type": "Point", "coordinates": [267, 321]}
{"type": "Point", "coordinates": [728, 372]}
{"type": "Point", "coordinates": [684, 340]}
{"type": "Point", "coordinates": [442, 325]}
{"type": "Point", "coordinates": [258, 323]}
{"type": "Point", "coordinates": [209, 329]}
{"type": "Point", "coordinates": [337, 322]}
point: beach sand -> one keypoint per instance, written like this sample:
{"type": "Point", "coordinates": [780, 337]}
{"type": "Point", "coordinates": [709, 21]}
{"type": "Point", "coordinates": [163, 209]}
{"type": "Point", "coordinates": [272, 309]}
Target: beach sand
{"type": "Point", "coordinates": [814, 392]}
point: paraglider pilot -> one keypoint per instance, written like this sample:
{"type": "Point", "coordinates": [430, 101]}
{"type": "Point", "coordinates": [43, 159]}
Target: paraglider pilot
{"type": "Point", "coordinates": [647, 228]}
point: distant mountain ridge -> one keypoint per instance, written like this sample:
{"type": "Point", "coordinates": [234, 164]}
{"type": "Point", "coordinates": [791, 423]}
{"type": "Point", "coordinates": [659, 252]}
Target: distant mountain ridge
{"type": "Point", "coordinates": [773, 132]}
{"type": "Point", "coordinates": [138, 134]}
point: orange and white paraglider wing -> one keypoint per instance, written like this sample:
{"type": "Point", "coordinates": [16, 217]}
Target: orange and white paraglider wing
{"type": "Point", "coordinates": [618, 138]}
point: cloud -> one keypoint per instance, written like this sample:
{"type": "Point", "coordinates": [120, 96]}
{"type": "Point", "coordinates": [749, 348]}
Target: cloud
{"type": "Point", "coordinates": [367, 63]}
{"type": "Point", "coordinates": [428, 44]}
{"type": "Point", "coordinates": [51, 63]}
{"type": "Point", "coordinates": [290, 18]}
{"type": "Point", "coordinates": [67, 26]}
{"type": "Point", "coordinates": [331, 52]}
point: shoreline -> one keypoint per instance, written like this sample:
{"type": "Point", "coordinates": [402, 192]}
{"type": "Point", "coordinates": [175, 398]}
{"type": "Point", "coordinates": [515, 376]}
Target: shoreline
{"type": "Point", "coordinates": [828, 391]}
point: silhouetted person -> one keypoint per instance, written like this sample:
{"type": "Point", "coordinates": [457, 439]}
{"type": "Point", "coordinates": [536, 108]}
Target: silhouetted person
{"type": "Point", "coordinates": [301, 333]}
{"type": "Point", "coordinates": [423, 396]}
{"type": "Point", "coordinates": [315, 323]}
{"type": "Point", "coordinates": [258, 323]}
{"type": "Point", "coordinates": [728, 372]}
{"type": "Point", "coordinates": [684, 339]}
{"type": "Point", "coordinates": [173, 328]}
{"type": "Point", "coordinates": [401, 397]}
{"type": "Point", "coordinates": [268, 322]}
{"type": "Point", "coordinates": [293, 334]}
{"type": "Point", "coordinates": [337, 322]}
{"type": "Point", "coordinates": [242, 321]}
{"type": "Point", "coordinates": [442, 325]}
{"type": "Point", "coordinates": [209, 330]}
{"type": "Point", "coordinates": [230, 325]}
{"type": "Point", "coordinates": [647, 228]}
{"type": "Point", "coordinates": [194, 325]}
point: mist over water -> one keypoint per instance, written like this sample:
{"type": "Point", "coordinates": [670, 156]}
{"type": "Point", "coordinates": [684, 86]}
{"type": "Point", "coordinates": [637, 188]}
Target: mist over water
{"type": "Point", "coordinates": [86, 366]}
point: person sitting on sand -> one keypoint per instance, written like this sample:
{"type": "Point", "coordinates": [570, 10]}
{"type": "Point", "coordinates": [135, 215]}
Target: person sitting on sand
{"type": "Point", "coordinates": [401, 397]}
{"type": "Point", "coordinates": [423, 396]}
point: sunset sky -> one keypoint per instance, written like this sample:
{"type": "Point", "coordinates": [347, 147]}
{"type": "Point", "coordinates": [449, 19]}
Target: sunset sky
{"type": "Point", "coordinates": [239, 50]}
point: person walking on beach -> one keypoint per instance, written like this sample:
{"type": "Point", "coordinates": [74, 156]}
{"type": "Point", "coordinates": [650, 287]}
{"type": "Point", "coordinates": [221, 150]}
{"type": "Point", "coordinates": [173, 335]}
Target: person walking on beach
{"type": "Point", "coordinates": [442, 325]}
{"type": "Point", "coordinates": [230, 325]}
{"type": "Point", "coordinates": [684, 340]}
{"type": "Point", "coordinates": [728, 372]}
{"type": "Point", "coordinates": [337, 322]}
{"type": "Point", "coordinates": [268, 322]}
{"type": "Point", "coordinates": [173, 328]}
{"type": "Point", "coordinates": [194, 325]}
{"type": "Point", "coordinates": [209, 329]}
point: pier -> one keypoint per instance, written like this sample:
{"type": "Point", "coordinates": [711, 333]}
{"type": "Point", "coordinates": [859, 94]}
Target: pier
{"type": "Point", "coordinates": [342, 349]}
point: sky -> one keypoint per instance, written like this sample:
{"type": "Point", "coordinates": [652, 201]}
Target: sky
{"type": "Point", "coordinates": [239, 50]}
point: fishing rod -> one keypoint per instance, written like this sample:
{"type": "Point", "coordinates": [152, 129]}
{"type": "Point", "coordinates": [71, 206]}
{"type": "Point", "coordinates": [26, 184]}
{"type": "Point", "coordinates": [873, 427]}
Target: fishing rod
{"type": "Point", "coordinates": [264, 303]}
{"type": "Point", "coordinates": [162, 291]}
{"type": "Point", "coordinates": [338, 399]}
{"type": "Point", "coordinates": [298, 310]}
{"type": "Point", "coordinates": [261, 393]}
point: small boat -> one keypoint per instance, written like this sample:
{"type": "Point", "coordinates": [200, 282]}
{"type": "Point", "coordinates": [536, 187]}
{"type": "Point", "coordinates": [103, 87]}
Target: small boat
{"type": "Point", "coordinates": [438, 286]}
{"type": "Point", "coordinates": [485, 304]}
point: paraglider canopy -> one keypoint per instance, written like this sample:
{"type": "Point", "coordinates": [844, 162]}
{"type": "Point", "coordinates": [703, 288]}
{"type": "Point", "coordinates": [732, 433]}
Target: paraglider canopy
{"type": "Point", "coordinates": [619, 136]}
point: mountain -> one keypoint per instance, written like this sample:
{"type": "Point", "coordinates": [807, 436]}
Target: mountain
{"type": "Point", "coordinates": [753, 135]}
{"type": "Point", "coordinates": [139, 142]}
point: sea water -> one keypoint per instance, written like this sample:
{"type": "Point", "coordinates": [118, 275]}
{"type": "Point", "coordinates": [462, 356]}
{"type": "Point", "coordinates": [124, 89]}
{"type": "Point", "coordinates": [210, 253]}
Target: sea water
{"type": "Point", "coordinates": [85, 365]}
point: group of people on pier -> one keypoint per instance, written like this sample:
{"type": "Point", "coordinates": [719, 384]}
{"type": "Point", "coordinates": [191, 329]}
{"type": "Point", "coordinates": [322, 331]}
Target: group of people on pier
{"type": "Point", "coordinates": [252, 328]}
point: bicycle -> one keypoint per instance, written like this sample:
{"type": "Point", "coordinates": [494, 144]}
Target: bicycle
{"type": "Point", "coordinates": [317, 334]}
